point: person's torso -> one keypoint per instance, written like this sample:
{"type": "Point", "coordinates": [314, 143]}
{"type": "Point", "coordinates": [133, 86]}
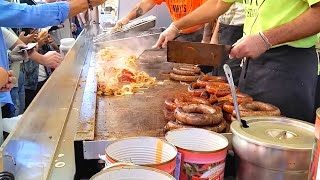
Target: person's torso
{"type": "Point", "coordinates": [32, 70]}
{"type": "Point", "coordinates": [42, 75]}
{"type": "Point", "coordinates": [181, 8]}
{"type": "Point", "coordinates": [234, 16]}
{"type": "Point", "coordinates": [62, 33]}
{"type": "Point", "coordinates": [262, 15]}
{"type": "Point", "coordinates": [5, 97]}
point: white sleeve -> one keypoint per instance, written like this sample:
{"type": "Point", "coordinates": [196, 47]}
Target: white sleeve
{"type": "Point", "coordinates": [9, 37]}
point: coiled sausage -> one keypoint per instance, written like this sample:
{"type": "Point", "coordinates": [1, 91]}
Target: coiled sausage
{"type": "Point", "coordinates": [195, 89]}
{"type": "Point", "coordinates": [219, 89]}
{"type": "Point", "coordinates": [199, 114]}
{"type": "Point", "coordinates": [183, 100]}
{"type": "Point", "coordinates": [187, 70]}
{"type": "Point", "coordinates": [169, 104]}
{"type": "Point", "coordinates": [169, 115]}
{"type": "Point", "coordinates": [183, 78]}
{"type": "Point", "coordinates": [257, 108]}
{"type": "Point", "coordinates": [206, 79]}
{"type": "Point", "coordinates": [219, 128]}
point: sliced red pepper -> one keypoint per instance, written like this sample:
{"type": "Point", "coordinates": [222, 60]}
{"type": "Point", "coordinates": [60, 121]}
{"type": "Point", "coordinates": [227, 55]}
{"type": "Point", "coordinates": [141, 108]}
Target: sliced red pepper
{"type": "Point", "coordinates": [126, 78]}
{"type": "Point", "coordinates": [127, 72]}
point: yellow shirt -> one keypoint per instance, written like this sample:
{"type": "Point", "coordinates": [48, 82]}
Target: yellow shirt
{"type": "Point", "coordinates": [262, 15]}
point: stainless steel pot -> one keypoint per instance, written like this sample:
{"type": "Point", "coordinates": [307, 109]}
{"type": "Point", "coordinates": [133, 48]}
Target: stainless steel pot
{"type": "Point", "coordinates": [273, 148]}
{"type": "Point", "coordinates": [314, 168]}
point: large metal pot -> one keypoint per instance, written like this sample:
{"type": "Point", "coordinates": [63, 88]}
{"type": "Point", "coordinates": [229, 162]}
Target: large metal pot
{"type": "Point", "coordinates": [273, 148]}
{"type": "Point", "coordinates": [314, 168]}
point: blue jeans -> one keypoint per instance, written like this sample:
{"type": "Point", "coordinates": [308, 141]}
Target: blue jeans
{"type": "Point", "coordinates": [18, 94]}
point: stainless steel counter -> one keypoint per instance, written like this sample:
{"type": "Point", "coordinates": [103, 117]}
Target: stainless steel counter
{"type": "Point", "coordinates": [44, 135]}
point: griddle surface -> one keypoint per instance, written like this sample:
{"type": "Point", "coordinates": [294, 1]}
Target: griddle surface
{"type": "Point", "coordinates": [138, 114]}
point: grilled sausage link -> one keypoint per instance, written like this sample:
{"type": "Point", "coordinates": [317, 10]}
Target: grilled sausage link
{"type": "Point", "coordinates": [183, 78]}
{"type": "Point", "coordinates": [195, 90]}
{"type": "Point", "coordinates": [169, 115]}
{"type": "Point", "coordinates": [219, 128]}
{"type": "Point", "coordinates": [206, 79]}
{"type": "Point", "coordinates": [183, 100]}
{"type": "Point", "coordinates": [170, 105]}
{"type": "Point", "coordinates": [187, 70]}
{"type": "Point", "coordinates": [199, 114]}
{"type": "Point", "coordinates": [257, 108]}
{"type": "Point", "coordinates": [219, 89]}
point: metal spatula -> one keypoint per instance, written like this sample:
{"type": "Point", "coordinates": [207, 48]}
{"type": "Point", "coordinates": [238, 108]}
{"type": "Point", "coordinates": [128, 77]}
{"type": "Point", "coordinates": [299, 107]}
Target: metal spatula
{"type": "Point", "coordinates": [228, 72]}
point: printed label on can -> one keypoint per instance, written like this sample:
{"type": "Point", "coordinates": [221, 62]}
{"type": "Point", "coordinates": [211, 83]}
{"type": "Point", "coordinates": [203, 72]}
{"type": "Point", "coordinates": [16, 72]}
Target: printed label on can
{"type": "Point", "coordinates": [178, 166]}
{"type": "Point", "coordinates": [317, 163]}
{"type": "Point", "coordinates": [213, 171]}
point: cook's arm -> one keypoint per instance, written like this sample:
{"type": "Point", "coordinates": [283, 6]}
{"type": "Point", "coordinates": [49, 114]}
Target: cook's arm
{"type": "Point", "coordinates": [207, 32]}
{"type": "Point", "coordinates": [211, 9]}
{"type": "Point", "coordinates": [253, 46]}
{"type": "Point", "coordinates": [142, 8]}
{"type": "Point", "coordinates": [215, 35]}
{"type": "Point", "coordinates": [303, 26]}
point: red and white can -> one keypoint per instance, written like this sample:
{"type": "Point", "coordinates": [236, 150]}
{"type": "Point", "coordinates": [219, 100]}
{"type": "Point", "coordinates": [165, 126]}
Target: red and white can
{"type": "Point", "coordinates": [201, 153]}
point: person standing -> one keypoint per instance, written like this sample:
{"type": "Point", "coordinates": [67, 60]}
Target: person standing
{"type": "Point", "coordinates": [177, 9]}
{"type": "Point", "coordinates": [282, 64]}
{"type": "Point", "coordinates": [229, 30]}
{"type": "Point", "coordinates": [19, 16]}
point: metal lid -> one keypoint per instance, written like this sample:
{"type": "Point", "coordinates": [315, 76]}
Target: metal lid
{"type": "Point", "coordinates": [276, 132]}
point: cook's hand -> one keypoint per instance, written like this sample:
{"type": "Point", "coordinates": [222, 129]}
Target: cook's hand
{"type": "Point", "coordinates": [28, 38]}
{"type": "Point", "coordinates": [119, 24]}
{"type": "Point", "coordinates": [17, 55]}
{"type": "Point", "coordinates": [168, 35]}
{"type": "Point", "coordinates": [11, 82]}
{"type": "Point", "coordinates": [122, 21]}
{"type": "Point", "coordinates": [251, 46]}
{"type": "Point", "coordinates": [52, 59]}
{"type": "Point", "coordinates": [96, 2]}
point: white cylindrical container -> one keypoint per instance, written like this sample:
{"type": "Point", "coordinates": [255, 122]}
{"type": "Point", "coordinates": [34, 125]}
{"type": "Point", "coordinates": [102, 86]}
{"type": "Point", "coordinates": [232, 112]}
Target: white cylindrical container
{"type": "Point", "coordinates": [132, 173]}
{"type": "Point", "coordinates": [144, 151]}
{"type": "Point", "coordinates": [65, 45]}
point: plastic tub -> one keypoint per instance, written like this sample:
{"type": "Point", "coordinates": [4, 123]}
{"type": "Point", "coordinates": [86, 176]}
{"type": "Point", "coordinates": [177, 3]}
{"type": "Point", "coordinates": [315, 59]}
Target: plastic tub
{"type": "Point", "coordinates": [65, 45]}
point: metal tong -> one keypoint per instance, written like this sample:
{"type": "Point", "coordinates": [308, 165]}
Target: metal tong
{"type": "Point", "coordinates": [228, 72]}
{"type": "Point", "coordinates": [150, 20]}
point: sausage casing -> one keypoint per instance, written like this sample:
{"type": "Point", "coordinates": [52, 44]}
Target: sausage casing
{"type": "Point", "coordinates": [219, 128]}
{"type": "Point", "coordinates": [199, 114]}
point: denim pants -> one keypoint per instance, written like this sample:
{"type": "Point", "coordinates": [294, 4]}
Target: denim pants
{"type": "Point", "coordinates": [18, 94]}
